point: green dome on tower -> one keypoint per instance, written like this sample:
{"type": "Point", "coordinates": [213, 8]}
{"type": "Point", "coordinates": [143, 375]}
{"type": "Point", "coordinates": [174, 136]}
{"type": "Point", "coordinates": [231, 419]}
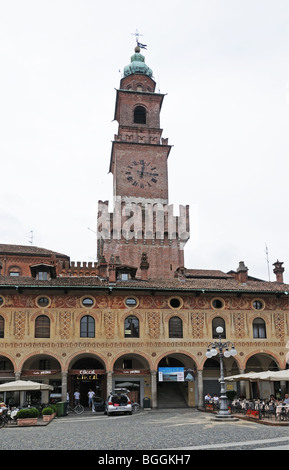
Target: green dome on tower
{"type": "Point", "coordinates": [137, 65]}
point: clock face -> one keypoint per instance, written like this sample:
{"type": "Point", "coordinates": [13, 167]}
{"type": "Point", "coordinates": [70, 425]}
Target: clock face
{"type": "Point", "coordinates": [141, 174]}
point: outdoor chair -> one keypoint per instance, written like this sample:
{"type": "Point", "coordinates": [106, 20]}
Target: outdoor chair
{"type": "Point", "coordinates": [284, 414]}
{"type": "Point", "coordinates": [271, 412]}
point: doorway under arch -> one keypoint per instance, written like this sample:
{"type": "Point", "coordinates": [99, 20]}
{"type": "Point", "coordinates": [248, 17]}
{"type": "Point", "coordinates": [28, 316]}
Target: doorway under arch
{"type": "Point", "coordinates": [86, 372]}
{"type": "Point", "coordinates": [132, 372]}
{"type": "Point", "coordinates": [176, 381]}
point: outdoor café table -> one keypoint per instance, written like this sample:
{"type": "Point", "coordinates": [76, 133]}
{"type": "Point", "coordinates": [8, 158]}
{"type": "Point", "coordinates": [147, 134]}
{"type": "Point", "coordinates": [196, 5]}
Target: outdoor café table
{"type": "Point", "coordinates": [279, 409]}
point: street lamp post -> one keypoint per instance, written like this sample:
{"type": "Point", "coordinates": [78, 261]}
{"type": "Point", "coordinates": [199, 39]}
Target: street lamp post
{"type": "Point", "coordinates": [225, 349]}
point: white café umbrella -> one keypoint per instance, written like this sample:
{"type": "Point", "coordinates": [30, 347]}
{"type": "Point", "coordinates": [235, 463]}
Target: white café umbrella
{"type": "Point", "coordinates": [256, 376]}
{"type": "Point", "coordinates": [23, 385]}
{"type": "Point", "coordinates": [277, 375]}
{"type": "Point", "coordinates": [238, 377]}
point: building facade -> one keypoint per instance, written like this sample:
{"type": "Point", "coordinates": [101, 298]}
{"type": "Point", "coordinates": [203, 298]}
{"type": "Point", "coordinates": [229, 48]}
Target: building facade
{"type": "Point", "coordinates": [137, 318]}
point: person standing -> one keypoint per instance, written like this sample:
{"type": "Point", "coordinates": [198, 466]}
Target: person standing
{"type": "Point", "coordinates": [76, 397]}
{"type": "Point", "coordinates": [91, 396]}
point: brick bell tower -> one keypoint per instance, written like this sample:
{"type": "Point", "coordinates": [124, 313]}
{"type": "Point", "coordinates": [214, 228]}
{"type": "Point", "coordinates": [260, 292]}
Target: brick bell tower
{"type": "Point", "coordinates": [142, 232]}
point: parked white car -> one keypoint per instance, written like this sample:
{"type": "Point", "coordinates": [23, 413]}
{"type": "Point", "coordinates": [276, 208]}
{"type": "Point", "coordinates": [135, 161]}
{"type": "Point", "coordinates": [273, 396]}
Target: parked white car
{"type": "Point", "coordinates": [118, 402]}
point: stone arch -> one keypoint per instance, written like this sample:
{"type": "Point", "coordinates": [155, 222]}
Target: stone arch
{"type": "Point", "coordinates": [10, 359]}
{"type": "Point", "coordinates": [40, 312]}
{"type": "Point", "coordinates": [85, 354]}
{"type": "Point", "coordinates": [176, 380]}
{"type": "Point", "coordinates": [264, 358]}
{"type": "Point", "coordinates": [187, 356]}
{"type": "Point", "coordinates": [86, 370]}
{"type": "Point", "coordinates": [135, 354]}
{"type": "Point", "coordinates": [33, 356]}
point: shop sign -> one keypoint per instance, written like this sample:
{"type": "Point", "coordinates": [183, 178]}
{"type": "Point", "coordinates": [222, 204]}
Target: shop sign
{"type": "Point", "coordinates": [86, 377]}
{"type": "Point", "coordinates": [131, 371]}
{"type": "Point", "coordinates": [86, 372]}
{"type": "Point", "coordinates": [39, 372]}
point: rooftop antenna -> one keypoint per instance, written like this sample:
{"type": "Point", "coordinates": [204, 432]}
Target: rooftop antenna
{"type": "Point", "coordinates": [31, 237]}
{"type": "Point", "coordinates": [267, 256]}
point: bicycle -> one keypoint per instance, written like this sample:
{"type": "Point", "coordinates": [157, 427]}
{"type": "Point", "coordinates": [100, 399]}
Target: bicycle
{"type": "Point", "coordinates": [4, 418]}
{"type": "Point", "coordinates": [135, 407]}
{"type": "Point", "coordinates": [78, 409]}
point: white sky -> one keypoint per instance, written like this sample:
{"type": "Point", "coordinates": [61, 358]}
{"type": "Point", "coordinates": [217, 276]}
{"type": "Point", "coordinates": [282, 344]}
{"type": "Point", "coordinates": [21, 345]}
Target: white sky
{"type": "Point", "coordinates": [224, 67]}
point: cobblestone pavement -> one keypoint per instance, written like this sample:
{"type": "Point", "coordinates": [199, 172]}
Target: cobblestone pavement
{"type": "Point", "coordinates": [178, 430]}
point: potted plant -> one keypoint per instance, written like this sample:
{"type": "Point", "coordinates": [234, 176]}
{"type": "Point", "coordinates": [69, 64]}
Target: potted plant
{"type": "Point", "coordinates": [48, 413]}
{"type": "Point", "coordinates": [54, 407]}
{"type": "Point", "coordinates": [27, 417]}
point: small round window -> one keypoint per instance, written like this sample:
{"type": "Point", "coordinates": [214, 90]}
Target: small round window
{"type": "Point", "coordinates": [87, 302]}
{"type": "Point", "coordinates": [175, 302]}
{"type": "Point", "coordinates": [43, 301]}
{"type": "Point", "coordinates": [217, 303]}
{"type": "Point", "coordinates": [130, 302]}
{"type": "Point", "coordinates": [258, 304]}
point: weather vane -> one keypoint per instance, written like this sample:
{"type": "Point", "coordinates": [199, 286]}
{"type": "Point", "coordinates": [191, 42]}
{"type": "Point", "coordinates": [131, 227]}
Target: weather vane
{"type": "Point", "coordinates": [137, 35]}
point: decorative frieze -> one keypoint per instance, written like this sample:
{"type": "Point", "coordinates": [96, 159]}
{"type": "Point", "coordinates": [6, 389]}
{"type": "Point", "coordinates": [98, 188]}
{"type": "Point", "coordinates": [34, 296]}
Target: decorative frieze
{"type": "Point", "coordinates": [154, 324]}
{"type": "Point", "coordinates": [19, 324]}
{"type": "Point", "coordinates": [198, 322]}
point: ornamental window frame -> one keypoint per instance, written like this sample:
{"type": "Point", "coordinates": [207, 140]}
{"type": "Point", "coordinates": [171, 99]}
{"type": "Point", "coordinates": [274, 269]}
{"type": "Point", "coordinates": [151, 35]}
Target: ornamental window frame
{"type": "Point", "coordinates": [42, 326]}
{"type": "Point", "coordinates": [176, 327]}
{"type": "Point", "coordinates": [87, 329]}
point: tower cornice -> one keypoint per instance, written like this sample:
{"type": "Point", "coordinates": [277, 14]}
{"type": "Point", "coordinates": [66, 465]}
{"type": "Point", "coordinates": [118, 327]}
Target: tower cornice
{"type": "Point", "coordinates": [119, 142]}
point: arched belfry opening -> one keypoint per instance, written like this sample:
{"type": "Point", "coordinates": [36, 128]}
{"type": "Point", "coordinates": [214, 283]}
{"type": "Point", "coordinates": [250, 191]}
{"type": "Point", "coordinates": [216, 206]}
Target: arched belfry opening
{"type": "Point", "coordinates": [140, 115]}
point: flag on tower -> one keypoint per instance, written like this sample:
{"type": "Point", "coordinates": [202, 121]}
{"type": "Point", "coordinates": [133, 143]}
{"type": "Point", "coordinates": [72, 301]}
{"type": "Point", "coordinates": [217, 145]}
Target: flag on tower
{"type": "Point", "coordinates": [142, 46]}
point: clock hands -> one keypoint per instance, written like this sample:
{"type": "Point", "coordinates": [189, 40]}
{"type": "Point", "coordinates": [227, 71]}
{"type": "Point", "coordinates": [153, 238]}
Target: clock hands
{"type": "Point", "coordinates": [141, 173]}
{"type": "Point", "coordinates": [142, 169]}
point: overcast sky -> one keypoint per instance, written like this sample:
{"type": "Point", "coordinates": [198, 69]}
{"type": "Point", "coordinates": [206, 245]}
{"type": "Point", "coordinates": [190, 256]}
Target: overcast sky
{"type": "Point", "coordinates": [224, 68]}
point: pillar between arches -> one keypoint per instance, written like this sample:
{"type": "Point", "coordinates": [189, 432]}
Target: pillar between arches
{"type": "Point", "coordinates": [64, 385]}
{"type": "Point", "coordinates": [108, 382]}
{"type": "Point", "coordinates": [154, 388]}
{"type": "Point", "coordinates": [200, 403]}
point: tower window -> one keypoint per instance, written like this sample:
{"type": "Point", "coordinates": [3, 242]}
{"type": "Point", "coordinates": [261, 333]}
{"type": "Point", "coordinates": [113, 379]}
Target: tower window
{"type": "Point", "coordinates": [140, 115]}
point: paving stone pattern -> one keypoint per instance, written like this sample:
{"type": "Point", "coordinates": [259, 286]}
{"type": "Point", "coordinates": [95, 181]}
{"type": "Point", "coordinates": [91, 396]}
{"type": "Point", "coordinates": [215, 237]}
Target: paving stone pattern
{"type": "Point", "coordinates": [147, 430]}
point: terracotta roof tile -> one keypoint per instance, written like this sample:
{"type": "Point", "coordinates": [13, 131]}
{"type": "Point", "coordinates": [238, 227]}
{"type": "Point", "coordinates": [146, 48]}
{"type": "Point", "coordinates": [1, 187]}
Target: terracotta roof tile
{"type": "Point", "coordinates": [206, 285]}
{"type": "Point", "coordinates": [28, 250]}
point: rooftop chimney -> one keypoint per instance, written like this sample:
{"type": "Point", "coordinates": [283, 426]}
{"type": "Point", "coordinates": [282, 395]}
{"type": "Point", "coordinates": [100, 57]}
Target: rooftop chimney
{"type": "Point", "coordinates": [279, 270]}
{"type": "Point", "coordinates": [242, 272]}
{"type": "Point", "coordinates": [144, 266]}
